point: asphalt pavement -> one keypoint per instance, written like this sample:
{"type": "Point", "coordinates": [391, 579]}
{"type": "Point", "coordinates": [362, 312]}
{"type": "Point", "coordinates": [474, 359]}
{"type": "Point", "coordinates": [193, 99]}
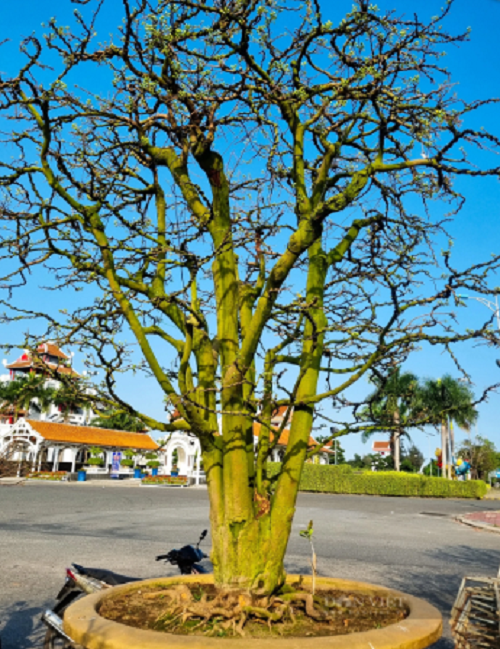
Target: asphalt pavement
{"type": "Point", "coordinates": [407, 543]}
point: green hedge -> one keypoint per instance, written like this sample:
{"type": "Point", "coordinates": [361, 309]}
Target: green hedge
{"type": "Point", "coordinates": [344, 480]}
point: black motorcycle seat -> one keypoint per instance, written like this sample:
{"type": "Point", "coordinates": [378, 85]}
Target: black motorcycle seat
{"type": "Point", "coordinates": [107, 576]}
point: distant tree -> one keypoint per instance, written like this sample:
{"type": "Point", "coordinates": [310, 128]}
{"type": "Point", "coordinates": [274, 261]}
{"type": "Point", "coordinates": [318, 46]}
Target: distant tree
{"type": "Point", "coordinates": [356, 462]}
{"type": "Point", "coordinates": [435, 469]}
{"type": "Point", "coordinates": [412, 459]}
{"type": "Point", "coordinates": [392, 407]}
{"type": "Point", "coordinates": [115, 420]}
{"type": "Point", "coordinates": [335, 447]}
{"type": "Point", "coordinates": [71, 397]}
{"type": "Point", "coordinates": [447, 401]}
{"type": "Point", "coordinates": [382, 463]}
{"type": "Point", "coordinates": [23, 392]}
{"type": "Point", "coordinates": [482, 454]}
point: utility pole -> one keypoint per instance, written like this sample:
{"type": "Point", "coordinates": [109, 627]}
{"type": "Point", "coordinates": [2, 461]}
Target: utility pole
{"type": "Point", "coordinates": [333, 430]}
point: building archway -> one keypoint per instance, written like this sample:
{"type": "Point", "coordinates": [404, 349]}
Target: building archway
{"type": "Point", "coordinates": [185, 449]}
{"type": "Point", "coordinates": [177, 454]}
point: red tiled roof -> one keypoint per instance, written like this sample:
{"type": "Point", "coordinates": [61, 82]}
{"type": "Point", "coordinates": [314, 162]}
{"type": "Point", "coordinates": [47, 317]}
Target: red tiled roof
{"type": "Point", "coordinates": [38, 364]}
{"type": "Point", "coordinates": [280, 411]}
{"type": "Point", "coordinates": [92, 436]}
{"type": "Point", "coordinates": [19, 363]}
{"type": "Point", "coordinates": [381, 446]}
{"type": "Point", "coordinates": [62, 369]}
{"type": "Point", "coordinates": [52, 350]}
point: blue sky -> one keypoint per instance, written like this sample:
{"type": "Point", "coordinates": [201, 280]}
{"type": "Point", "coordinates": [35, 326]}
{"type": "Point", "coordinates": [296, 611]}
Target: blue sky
{"type": "Point", "coordinates": [475, 68]}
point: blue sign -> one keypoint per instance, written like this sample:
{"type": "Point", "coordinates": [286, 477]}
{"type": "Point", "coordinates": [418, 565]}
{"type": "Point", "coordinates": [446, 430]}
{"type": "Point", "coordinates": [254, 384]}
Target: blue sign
{"type": "Point", "coordinates": [115, 464]}
{"type": "Point", "coordinates": [498, 473]}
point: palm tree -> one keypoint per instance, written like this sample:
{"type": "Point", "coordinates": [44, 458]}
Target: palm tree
{"type": "Point", "coordinates": [70, 397]}
{"type": "Point", "coordinates": [23, 391]}
{"type": "Point", "coordinates": [446, 401]}
{"type": "Point", "coordinates": [393, 405]}
{"type": "Point", "coordinates": [116, 420]}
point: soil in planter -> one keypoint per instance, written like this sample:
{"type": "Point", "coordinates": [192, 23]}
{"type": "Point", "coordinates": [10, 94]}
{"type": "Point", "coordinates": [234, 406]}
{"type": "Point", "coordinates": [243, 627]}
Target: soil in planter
{"type": "Point", "coordinates": [200, 609]}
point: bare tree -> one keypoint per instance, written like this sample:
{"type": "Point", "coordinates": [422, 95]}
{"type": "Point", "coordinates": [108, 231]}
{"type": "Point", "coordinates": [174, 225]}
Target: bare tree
{"type": "Point", "coordinates": [253, 190]}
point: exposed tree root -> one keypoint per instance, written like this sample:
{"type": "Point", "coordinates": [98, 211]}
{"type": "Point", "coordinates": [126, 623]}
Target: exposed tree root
{"type": "Point", "coordinates": [202, 609]}
{"type": "Point", "coordinates": [227, 612]}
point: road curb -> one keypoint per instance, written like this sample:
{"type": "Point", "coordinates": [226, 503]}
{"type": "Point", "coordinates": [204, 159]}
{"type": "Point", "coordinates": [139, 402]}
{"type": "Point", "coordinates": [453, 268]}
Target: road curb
{"type": "Point", "coordinates": [481, 526]}
{"type": "Point", "coordinates": [12, 482]}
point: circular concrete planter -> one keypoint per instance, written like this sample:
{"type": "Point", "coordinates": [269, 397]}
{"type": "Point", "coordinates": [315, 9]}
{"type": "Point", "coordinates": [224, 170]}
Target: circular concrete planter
{"type": "Point", "coordinates": [420, 629]}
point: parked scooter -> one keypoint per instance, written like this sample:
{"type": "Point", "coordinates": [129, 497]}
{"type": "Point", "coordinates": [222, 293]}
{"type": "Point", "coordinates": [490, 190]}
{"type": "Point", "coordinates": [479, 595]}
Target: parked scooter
{"type": "Point", "coordinates": [82, 581]}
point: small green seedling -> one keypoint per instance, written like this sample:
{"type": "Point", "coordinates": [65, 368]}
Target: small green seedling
{"type": "Point", "coordinates": [308, 534]}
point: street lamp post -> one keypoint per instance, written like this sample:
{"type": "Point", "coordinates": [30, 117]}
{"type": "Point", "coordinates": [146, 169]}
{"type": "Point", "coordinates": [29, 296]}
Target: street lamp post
{"type": "Point", "coordinates": [333, 430]}
{"type": "Point", "coordinates": [492, 306]}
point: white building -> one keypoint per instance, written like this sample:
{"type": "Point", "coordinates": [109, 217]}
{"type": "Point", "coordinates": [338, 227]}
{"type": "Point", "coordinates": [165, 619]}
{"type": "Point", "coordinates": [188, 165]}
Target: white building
{"type": "Point", "coordinates": [62, 440]}
{"type": "Point", "coordinates": [382, 448]}
{"type": "Point", "coordinates": [51, 362]}
{"type": "Point", "coordinates": [64, 447]}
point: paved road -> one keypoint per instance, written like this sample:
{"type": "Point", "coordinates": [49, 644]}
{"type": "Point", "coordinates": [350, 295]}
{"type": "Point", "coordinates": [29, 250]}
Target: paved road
{"type": "Point", "coordinates": [410, 544]}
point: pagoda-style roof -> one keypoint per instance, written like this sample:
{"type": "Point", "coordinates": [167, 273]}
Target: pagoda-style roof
{"type": "Point", "coordinates": [49, 356]}
{"type": "Point", "coordinates": [52, 350]}
{"type": "Point", "coordinates": [69, 434]}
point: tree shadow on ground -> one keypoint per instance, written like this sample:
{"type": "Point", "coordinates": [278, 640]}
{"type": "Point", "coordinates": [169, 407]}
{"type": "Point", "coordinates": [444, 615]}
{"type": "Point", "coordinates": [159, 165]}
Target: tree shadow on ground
{"type": "Point", "coordinates": [438, 587]}
{"type": "Point", "coordinates": [21, 626]}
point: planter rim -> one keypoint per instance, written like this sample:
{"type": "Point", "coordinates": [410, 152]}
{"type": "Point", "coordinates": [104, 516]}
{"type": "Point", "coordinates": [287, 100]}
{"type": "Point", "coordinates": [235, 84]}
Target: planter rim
{"type": "Point", "coordinates": [85, 626]}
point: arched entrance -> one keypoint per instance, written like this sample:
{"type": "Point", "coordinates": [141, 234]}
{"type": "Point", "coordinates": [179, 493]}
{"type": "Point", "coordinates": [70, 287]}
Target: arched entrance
{"type": "Point", "coordinates": [182, 450]}
{"type": "Point", "coordinates": [177, 456]}
{"type": "Point", "coordinates": [21, 452]}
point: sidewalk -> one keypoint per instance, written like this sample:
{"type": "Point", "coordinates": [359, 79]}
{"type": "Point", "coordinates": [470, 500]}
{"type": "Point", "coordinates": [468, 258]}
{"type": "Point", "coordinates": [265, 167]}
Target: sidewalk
{"type": "Point", "coordinates": [11, 481]}
{"type": "Point", "coordinates": [103, 484]}
{"type": "Point", "coordinates": [489, 521]}
{"type": "Point", "coordinates": [493, 494]}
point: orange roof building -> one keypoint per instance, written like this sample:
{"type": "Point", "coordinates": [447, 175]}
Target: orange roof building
{"type": "Point", "coordinates": [383, 448]}
{"type": "Point", "coordinates": [284, 437]}
{"type": "Point", "coordinates": [66, 447]}
{"type": "Point", "coordinates": [278, 452]}
{"type": "Point", "coordinates": [88, 435]}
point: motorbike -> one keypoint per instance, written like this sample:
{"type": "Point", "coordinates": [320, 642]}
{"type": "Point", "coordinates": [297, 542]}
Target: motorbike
{"type": "Point", "coordinates": [81, 581]}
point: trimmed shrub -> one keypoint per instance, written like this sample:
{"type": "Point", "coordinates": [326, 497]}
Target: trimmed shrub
{"type": "Point", "coordinates": [95, 461]}
{"type": "Point", "coordinates": [339, 480]}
